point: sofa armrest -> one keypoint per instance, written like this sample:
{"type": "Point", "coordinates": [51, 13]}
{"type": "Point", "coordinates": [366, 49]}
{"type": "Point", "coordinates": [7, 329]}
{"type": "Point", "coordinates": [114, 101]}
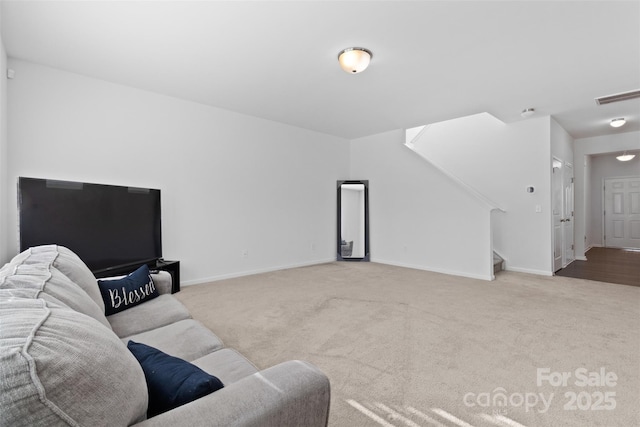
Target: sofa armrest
{"type": "Point", "coordinates": [163, 281]}
{"type": "Point", "coordinates": [293, 393]}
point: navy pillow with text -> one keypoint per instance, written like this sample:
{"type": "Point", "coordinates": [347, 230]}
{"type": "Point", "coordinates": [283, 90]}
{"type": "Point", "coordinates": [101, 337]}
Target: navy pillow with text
{"type": "Point", "coordinates": [129, 291]}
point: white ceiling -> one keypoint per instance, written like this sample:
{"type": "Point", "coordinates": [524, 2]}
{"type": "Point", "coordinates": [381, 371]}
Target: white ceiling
{"type": "Point", "coordinates": [432, 61]}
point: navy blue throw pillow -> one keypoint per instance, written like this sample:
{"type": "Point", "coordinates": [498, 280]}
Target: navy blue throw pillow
{"type": "Point", "coordinates": [121, 294]}
{"type": "Point", "coordinates": [171, 381]}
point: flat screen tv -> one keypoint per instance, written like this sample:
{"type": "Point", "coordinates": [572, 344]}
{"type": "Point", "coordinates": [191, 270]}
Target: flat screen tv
{"type": "Point", "coordinates": [108, 226]}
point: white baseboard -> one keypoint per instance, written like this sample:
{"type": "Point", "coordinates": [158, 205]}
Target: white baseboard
{"type": "Point", "coordinates": [252, 272]}
{"type": "Point", "coordinates": [530, 271]}
{"type": "Point", "coordinates": [436, 270]}
{"type": "Point", "coordinates": [488, 277]}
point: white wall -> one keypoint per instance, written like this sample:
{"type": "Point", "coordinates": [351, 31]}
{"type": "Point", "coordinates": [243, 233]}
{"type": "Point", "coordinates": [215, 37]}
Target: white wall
{"type": "Point", "coordinates": [605, 166]}
{"type": "Point", "coordinates": [583, 148]}
{"type": "Point", "coordinates": [561, 143]}
{"type": "Point", "coordinates": [500, 161]}
{"type": "Point", "coordinates": [4, 184]}
{"type": "Point", "coordinates": [418, 217]}
{"type": "Point", "coordinates": [229, 182]}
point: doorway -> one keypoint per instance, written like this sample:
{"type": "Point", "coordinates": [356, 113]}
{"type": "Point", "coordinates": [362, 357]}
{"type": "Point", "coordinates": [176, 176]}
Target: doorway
{"type": "Point", "coordinates": [562, 183]}
{"type": "Point", "coordinates": [621, 215]}
{"type": "Point", "coordinates": [556, 211]}
{"type": "Point", "coordinates": [568, 255]}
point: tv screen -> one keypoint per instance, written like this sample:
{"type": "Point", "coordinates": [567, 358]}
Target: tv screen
{"type": "Point", "coordinates": [108, 226]}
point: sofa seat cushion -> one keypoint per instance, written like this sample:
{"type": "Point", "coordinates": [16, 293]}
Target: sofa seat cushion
{"type": "Point", "coordinates": [187, 339]}
{"type": "Point", "coordinates": [61, 367]}
{"type": "Point", "coordinates": [226, 364]}
{"type": "Point", "coordinates": [160, 311]}
{"type": "Point", "coordinates": [47, 282]}
{"type": "Point", "coordinates": [68, 263]}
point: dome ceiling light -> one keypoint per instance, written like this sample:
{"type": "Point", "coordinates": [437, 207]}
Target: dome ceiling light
{"type": "Point", "coordinates": [528, 112]}
{"type": "Point", "coordinates": [354, 60]}
{"type": "Point", "coordinates": [616, 123]}
{"type": "Point", "coordinates": [625, 157]}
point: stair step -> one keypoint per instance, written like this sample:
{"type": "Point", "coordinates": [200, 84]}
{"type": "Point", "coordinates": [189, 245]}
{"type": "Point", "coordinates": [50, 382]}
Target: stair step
{"type": "Point", "coordinates": [498, 263]}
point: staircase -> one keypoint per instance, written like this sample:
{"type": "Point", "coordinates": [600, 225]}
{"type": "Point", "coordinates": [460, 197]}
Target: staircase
{"type": "Point", "coordinates": [437, 144]}
{"type": "Point", "coordinates": [498, 263]}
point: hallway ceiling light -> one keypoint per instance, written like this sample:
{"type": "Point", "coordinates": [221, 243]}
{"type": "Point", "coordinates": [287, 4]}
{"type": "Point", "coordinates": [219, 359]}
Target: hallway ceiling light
{"type": "Point", "coordinates": [625, 157]}
{"type": "Point", "coordinates": [354, 59]}
{"type": "Point", "coordinates": [616, 123]}
{"type": "Point", "coordinates": [528, 112]}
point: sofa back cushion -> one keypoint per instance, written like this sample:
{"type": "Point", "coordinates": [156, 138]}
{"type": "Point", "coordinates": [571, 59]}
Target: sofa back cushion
{"type": "Point", "coordinates": [47, 282]}
{"type": "Point", "coordinates": [68, 263]}
{"type": "Point", "coordinates": [61, 367]}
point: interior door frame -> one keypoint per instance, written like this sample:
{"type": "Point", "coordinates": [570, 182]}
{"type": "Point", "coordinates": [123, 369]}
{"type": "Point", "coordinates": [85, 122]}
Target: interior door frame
{"type": "Point", "coordinates": [562, 213]}
{"type": "Point", "coordinates": [568, 216]}
{"type": "Point", "coordinates": [557, 167]}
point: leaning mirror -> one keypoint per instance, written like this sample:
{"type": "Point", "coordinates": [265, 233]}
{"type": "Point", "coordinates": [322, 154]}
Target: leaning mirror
{"type": "Point", "coordinates": [353, 221]}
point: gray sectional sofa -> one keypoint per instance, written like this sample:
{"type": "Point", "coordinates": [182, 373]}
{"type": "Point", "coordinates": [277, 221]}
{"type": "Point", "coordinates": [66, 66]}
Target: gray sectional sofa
{"type": "Point", "coordinates": [63, 362]}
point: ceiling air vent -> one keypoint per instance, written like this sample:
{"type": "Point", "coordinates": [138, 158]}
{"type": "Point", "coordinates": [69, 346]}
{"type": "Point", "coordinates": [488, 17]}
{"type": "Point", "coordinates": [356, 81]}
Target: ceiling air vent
{"type": "Point", "coordinates": [618, 97]}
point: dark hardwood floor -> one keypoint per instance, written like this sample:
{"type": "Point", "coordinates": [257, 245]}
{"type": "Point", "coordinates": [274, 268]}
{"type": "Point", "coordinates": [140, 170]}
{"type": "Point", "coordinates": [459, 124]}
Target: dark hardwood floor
{"type": "Point", "coordinates": [610, 265]}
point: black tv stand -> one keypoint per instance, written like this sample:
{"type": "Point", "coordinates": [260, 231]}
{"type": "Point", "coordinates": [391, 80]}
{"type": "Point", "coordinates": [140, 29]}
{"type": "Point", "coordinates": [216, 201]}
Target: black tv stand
{"type": "Point", "coordinates": [172, 267]}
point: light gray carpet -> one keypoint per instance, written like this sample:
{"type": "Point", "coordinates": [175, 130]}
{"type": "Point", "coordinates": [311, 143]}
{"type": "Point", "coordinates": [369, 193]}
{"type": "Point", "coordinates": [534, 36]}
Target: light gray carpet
{"type": "Point", "coordinates": [405, 347]}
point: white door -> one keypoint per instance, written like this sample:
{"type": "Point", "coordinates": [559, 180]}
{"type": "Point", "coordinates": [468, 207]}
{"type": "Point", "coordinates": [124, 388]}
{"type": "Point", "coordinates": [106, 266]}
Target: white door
{"type": "Point", "coordinates": [556, 211]}
{"type": "Point", "coordinates": [622, 212]}
{"type": "Point", "coordinates": [567, 214]}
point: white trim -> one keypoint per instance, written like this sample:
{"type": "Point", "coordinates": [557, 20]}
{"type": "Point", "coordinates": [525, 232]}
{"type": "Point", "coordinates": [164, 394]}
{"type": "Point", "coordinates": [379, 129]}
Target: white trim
{"type": "Point", "coordinates": [530, 271]}
{"type": "Point", "coordinates": [603, 187]}
{"type": "Point", "coordinates": [436, 270]}
{"type": "Point", "coordinates": [252, 272]}
{"type": "Point", "coordinates": [489, 277]}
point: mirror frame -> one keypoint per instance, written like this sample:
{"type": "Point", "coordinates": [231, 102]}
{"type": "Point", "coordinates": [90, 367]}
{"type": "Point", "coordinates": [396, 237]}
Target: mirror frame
{"type": "Point", "coordinates": [366, 256]}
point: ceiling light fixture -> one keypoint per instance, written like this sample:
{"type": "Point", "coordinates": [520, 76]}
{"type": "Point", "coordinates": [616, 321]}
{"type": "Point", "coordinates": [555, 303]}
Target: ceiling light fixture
{"type": "Point", "coordinates": [616, 123]}
{"type": "Point", "coordinates": [354, 59]}
{"type": "Point", "coordinates": [625, 157]}
{"type": "Point", "coordinates": [528, 112]}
